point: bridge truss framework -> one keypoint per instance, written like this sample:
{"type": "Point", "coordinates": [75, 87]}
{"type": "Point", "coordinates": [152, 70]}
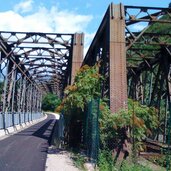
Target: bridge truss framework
{"type": "Point", "coordinates": [31, 65]}
{"type": "Point", "coordinates": [135, 58]}
{"type": "Point", "coordinates": [135, 64]}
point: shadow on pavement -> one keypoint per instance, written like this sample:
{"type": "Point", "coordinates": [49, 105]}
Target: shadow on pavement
{"type": "Point", "coordinates": [41, 130]}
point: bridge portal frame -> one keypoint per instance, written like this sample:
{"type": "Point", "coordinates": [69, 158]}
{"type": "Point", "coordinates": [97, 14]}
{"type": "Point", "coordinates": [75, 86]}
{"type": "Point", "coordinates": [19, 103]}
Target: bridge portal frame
{"type": "Point", "coordinates": [31, 65]}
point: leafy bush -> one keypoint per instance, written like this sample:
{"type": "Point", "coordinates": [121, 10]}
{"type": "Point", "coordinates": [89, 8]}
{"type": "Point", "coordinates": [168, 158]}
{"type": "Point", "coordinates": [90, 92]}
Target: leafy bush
{"type": "Point", "coordinates": [140, 119]}
{"type": "Point", "coordinates": [50, 101]}
{"type": "Point", "coordinates": [86, 86]}
{"type": "Point", "coordinates": [105, 161]}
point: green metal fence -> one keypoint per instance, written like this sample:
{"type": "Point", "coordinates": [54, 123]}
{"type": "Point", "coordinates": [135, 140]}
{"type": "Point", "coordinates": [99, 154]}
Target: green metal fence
{"type": "Point", "coordinates": [92, 130]}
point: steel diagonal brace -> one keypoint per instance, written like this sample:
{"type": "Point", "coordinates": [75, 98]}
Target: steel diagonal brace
{"type": "Point", "coordinates": [7, 54]}
{"type": "Point", "coordinates": [24, 73]}
{"type": "Point", "coordinates": [136, 38]}
{"type": "Point", "coordinates": [148, 18]}
{"type": "Point", "coordinates": [14, 68]}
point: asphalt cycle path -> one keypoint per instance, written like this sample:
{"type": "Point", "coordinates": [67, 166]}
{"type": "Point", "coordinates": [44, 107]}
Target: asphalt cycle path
{"type": "Point", "coordinates": [27, 150]}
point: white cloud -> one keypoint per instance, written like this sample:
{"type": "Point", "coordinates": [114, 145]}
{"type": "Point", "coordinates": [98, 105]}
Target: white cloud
{"type": "Point", "coordinates": [24, 6]}
{"type": "Point", "coordinates": [10, 21]}
{"type": "Point", "coordinates": [44, 20]}
{"type": "Point", "coordinates": [88, 39]}
{"type": "Point", "coordinates": [69, 21]}
{"type": "Point", "coordinates": [47, 20]}
{"type": "Point", "coordinates": [138, 27]}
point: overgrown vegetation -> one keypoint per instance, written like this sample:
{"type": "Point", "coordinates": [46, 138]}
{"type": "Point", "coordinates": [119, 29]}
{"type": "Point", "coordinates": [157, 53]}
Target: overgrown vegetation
{"type": "Point", "coordinates": [50, 101]}
{"type": "Point", "coordinates": [106, 163]}
{"type": "Point", "coordinates": [127, 166]}
{"type": "Point", "coordinates": [86, 86]}
{"type": "Point", "coordinates": [78, 160]}
{"type": "Point", "coordinates": [138, 120]}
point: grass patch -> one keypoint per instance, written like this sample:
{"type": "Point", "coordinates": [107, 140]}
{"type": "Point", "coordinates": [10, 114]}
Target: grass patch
{"type": "Point", "coordinates": [127, 166]}
{"type": "Point", "coordinates": [78, 160]}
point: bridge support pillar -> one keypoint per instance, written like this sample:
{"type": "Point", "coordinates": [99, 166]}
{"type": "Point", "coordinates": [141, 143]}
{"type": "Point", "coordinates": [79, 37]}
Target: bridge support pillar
{"type": "Point", "coordinates": [117, 58]}
{"type": "Point", "coordinates": [77, 54]}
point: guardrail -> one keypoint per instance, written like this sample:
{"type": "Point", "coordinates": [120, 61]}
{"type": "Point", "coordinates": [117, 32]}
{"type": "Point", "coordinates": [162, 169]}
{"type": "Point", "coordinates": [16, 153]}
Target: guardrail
{"type": "Point", "coordinates": [12, 119]}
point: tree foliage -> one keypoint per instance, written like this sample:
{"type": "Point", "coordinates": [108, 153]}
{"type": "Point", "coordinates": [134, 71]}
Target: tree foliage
{"type": "Point", "coordinates": [50, 101]}
{"type": "Point", "coordinates": [86, 86]}
{"type": "Point", "coordinates": [141, 120]}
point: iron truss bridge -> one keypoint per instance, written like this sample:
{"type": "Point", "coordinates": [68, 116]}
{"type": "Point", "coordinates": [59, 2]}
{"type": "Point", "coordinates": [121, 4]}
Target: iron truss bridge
{"type": "Point", "coordinates": [130, 47]}
{"type": "Point", "coordinates": [132, 43]}
{"type": "Point", "coordinates": [32, 64]}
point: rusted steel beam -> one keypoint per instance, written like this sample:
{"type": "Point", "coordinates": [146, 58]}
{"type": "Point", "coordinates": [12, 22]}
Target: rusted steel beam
{"type": "Point", "coordinates": [77, 54]}
{"type": "Point", "coordinates": [108, 46]}
{"type": "Point", "coordinates": [117, 58]}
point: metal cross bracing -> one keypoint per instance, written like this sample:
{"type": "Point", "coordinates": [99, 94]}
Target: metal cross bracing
{"type": "Point", "coordinates": [31, 65]}
{"type": "Point", "coordinates": [128, 40]}
{"type": "Point", "coordinates": [148, 63]}
{"type": "Point", "coordinates": [134, 47]}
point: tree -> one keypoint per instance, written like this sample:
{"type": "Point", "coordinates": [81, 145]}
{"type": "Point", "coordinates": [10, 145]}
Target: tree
{"type": "Point", "coordinates": [170, 5]}
{"type": "Point", "coordinates": [86, 87]}
{"type": "Point", "coordinates": [50, 102]}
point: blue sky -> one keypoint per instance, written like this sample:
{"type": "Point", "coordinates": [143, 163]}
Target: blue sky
{"type": "Point", "coordinates": [60, 16]}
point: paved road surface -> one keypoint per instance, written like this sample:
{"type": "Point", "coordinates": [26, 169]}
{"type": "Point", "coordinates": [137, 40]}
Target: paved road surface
{"type": "Point", "coordinates": [27, 150]}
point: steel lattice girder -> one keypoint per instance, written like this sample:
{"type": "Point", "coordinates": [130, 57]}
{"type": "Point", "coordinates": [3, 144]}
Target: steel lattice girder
{"type": "Point", "coordinates": [149, 64]}
{"type": "Point", "coordinates": [142, 48]}
{"type": "Point", "coordinates": [32, 64]}
{"type": "Point", "coordinates": [47, 52]}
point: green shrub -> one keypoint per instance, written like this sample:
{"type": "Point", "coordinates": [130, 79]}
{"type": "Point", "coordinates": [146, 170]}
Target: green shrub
{"type": "Point", "coordinates": [50, 101]}
{"type": "Point", "coordinates": [127, 166]}
{"type": "Point", "coordinates": [78, 160]}
{"type": "Point", "coordinates": [105, 161]}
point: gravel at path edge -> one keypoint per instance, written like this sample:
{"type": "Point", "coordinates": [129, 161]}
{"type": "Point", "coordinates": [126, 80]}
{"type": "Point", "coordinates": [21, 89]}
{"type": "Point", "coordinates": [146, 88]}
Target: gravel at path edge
{"type": "Point", "coordinates": [58, 160]}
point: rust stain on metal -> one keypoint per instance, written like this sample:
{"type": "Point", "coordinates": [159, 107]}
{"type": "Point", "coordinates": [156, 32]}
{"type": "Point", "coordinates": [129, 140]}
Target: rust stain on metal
{"type": "Point", "coordinates": [77, 55]}
{"type": "Point", "coordinates": [117, 55]}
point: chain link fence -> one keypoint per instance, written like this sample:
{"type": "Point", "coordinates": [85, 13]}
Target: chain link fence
{"type": "Point", "coordinates": [91, 131]}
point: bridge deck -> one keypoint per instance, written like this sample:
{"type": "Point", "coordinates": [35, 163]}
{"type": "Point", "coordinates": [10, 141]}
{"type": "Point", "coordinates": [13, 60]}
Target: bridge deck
{"type": "Point", "coordinates": [27, 150]}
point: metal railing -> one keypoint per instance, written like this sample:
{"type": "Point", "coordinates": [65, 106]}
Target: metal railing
{"type": "Point", "coordinates": [12, 119]}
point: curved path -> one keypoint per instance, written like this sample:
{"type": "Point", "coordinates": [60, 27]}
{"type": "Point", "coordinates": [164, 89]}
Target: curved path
{"type": "Point", "coordinates": [27, 150]}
